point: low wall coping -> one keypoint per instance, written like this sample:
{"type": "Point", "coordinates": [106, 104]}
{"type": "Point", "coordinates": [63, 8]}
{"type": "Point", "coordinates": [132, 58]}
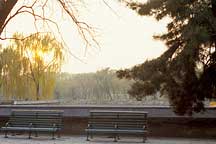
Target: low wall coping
{"type": "Point", "coordinates": [83, 110]}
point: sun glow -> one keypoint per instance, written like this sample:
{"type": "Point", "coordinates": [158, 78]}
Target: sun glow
{"type": "Point", "coordinates": [125, 39]}
{"type": "Point", "coordinates": [40, 56]}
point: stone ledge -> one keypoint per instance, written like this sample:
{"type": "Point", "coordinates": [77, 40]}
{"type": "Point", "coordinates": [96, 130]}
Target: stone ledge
{"type": "Point", "coordinates": [83, 110]}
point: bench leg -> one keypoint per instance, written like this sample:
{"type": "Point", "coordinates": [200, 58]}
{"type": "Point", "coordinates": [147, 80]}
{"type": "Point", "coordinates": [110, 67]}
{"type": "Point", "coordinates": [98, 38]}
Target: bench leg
{"type": "Point", "coordinates": [144, 138]}
{"type": "Point", "coordinates": [87, 136]}
{"type": "Point", "coordinates": [53, 135]}
{"type": "Point", "coordinates": [59, 135]}
{"type": "Point", "coordinates": [115, 137]}
{"type": "Point", "coordinates": [29, 134]}
{"type": "Point", "coordinates": [6, 132]}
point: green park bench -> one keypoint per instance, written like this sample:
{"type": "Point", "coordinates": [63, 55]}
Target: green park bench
{"type": "Point", "coordinates": [34, 121]}
{"type": "Point", "coordinates": [116, 123]}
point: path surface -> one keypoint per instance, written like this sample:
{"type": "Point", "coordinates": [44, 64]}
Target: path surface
{"type": "Point", "coordinates": [22, 139]}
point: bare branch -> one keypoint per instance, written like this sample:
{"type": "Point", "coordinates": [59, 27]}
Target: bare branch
{"type": "Point", "coordinates": [86, 32]}
{"type": "Point", "coordinates": [83, 28]}
{"type": "Point", "coordinates": [5, 9]}
{"type": "Point", "coordinates": [104, 1]}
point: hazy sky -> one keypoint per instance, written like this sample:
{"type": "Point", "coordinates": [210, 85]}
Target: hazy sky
{"type": "Point", "coordinates": [125, 38]}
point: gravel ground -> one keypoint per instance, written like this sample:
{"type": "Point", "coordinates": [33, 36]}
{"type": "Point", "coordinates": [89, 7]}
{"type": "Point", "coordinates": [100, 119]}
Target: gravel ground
{"type": "Point", "coordinates": [22, 139]}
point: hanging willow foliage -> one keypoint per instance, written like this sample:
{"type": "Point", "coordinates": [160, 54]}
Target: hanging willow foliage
{"type": "Point", "coordinates": [29, 67]}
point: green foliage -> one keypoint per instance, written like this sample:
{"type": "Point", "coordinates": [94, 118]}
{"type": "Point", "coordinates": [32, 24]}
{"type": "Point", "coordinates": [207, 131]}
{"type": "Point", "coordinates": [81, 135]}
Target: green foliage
{"type": "Point", "coordinates": [29, 67]}
{"type": "Point", "coordinates": [191, 42]}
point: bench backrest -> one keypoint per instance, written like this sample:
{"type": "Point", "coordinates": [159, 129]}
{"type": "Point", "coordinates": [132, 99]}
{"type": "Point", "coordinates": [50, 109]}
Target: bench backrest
{"type": "Point", "coordinates": [38, 118]}
{"type": "Point", "coordinates": [21, 119]}
{"type": "Point", "coordinates": [118, 119]}
{"type": "Point", "coordinates": [48, 118]}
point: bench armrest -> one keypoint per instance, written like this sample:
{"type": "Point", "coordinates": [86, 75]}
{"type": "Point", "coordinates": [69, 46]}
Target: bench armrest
{"type": "Point", "coordinates": [54, 125]}
{"type": "Point", "coordinates": [30, 125]}
{"type": "Point", "coordinates": [144, 127]}
{"type": "Point", "coordinates": [88, 126]}
{"type": "Point", "coordinates": [7, 124]}
{"type": "Point", "coordinates": [116, 126]}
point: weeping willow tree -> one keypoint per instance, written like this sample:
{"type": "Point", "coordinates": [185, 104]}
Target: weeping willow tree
{"type": "Point", "coordinates": [10, 69]}
{"type": "Point", "coordinates": [29, 67]}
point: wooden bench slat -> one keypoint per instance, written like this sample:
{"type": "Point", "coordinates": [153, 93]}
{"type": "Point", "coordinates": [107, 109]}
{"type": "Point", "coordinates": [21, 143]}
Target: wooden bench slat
{"type": "Point", "coordinates": [34, 120]}
{"type": "Point", "coordinates": [117, 122]}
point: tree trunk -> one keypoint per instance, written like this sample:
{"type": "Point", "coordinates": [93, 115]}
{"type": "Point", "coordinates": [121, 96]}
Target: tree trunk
{"type": "Point", "coordinates": [214, 7]}
{"type": "Point", "coordinates": [214, 13]}
{"type": "Point", "coordinates": [5, 8]}
{"type": "Point", "coordinates": [37, 92]}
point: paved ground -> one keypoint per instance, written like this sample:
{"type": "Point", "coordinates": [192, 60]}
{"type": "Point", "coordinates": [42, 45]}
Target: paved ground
{"type": "Point", "coordinates": [22, 139]}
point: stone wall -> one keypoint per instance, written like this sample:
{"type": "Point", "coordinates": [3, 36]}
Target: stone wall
{"type": "Point", "coordinates": [161, 122]}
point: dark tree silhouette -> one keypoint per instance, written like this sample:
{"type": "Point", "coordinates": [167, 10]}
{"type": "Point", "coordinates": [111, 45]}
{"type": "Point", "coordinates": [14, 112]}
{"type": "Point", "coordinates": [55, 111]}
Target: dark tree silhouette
{"type": "Point", "coordinates": [186, 71]}
{"type": "Point", "coordinates": [5, 9]}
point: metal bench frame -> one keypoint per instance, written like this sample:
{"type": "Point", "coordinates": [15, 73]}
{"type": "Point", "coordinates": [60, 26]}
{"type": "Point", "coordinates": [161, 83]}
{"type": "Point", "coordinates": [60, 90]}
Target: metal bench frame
{"type": "Point", "coordinates": [116, 123]}
{"type": "Point", "coordinates": [34, 121]}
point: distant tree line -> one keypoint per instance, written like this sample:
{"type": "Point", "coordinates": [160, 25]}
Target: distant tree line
{"type": "Point", "coordinates": [99, 87]}
{"type": "Point", "coordinates": [102, 87]}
